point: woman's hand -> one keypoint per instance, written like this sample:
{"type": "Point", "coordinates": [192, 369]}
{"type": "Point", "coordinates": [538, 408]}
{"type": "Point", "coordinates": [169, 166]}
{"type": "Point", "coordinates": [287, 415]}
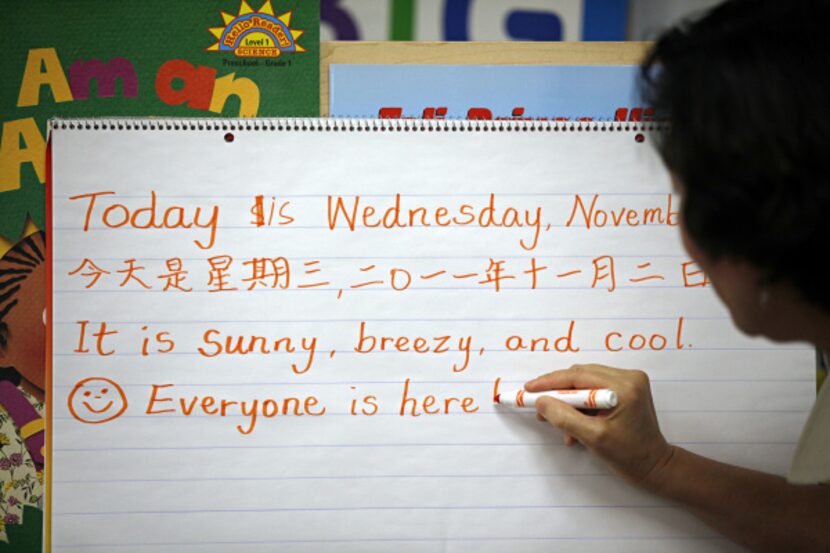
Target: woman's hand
{"type": "Point", "coordinates": [626, 437]}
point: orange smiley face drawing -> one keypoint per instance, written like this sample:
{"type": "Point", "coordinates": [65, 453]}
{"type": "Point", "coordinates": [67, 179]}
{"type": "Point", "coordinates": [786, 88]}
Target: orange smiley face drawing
{"type": "Point", "coordinates": [97, 399]}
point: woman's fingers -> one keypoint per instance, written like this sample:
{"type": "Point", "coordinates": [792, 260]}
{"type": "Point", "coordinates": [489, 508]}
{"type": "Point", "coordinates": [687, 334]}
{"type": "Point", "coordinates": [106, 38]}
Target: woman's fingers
{"type": "Point", "coordinates": [578, 376]}
{"type": "Point", "coordinates": [568, 419]}
{"type": "Point", "coordinates": [627, 438]}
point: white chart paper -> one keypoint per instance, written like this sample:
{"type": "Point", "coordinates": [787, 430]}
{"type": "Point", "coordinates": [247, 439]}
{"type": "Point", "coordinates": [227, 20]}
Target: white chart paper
{"type": "Point", "coordinates": [229, 357]}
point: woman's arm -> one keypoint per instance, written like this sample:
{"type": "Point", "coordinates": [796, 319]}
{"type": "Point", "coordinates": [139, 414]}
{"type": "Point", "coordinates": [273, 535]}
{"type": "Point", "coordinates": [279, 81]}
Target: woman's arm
{"type": "Point", "coordinates": [758, 510]}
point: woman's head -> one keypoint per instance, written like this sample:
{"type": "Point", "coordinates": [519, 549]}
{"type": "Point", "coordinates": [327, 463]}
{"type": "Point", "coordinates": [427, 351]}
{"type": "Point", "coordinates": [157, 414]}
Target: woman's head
{"type": "Point", "coordinates": [746, 90]}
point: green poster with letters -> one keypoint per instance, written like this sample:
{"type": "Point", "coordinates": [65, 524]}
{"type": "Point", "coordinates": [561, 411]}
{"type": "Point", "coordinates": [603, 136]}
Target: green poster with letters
{"type": "Point", "coordinates": [188, 58]}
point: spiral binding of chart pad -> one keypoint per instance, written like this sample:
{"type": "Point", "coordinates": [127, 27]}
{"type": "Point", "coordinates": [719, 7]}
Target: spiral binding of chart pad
{"type": "Point", "coordinates": [350, 125]}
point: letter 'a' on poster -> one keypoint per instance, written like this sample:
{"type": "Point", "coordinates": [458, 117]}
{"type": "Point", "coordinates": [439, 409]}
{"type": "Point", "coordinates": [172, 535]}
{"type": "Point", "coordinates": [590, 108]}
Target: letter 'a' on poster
{"type": "Point", "coordinates": [287, 335]}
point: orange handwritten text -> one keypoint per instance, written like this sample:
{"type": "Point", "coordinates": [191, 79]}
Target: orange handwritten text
{"type": "Point", "coordinates": [354, 211]}
{"type": "Point", "coordinates": [432, 405]}
{"type": "Point", "coordinates": [223, 273]}
{"type": "Point", "coordinates": [117, 215]}
{"type": "Point", "coordinates": [162, 402]}
{"type": "Point", "coordinates": [215, 343]}
{"type": "Point", "coordinates": [562, 344]}
{"type": "Point", "coordinates": [99, 336]}
{"type": "Point", "coordinates": [437, 345]}
{"type": "Point", "coordinates": [637, 341]}
{"type": "Point", "coordinates": [593, 216]}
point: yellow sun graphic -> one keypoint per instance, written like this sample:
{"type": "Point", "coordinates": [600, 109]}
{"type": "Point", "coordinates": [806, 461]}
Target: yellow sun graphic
{"type": "Point", "coordinates": [258, 34]}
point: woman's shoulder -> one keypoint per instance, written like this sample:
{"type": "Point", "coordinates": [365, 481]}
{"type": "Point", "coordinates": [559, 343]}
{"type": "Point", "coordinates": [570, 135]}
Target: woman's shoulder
{"type": "Point", "coordinates": [811, 463]}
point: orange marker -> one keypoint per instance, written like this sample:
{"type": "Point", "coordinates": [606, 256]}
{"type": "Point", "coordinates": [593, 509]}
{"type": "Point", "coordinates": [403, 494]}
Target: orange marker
{"type": "Point", "coordinates": [581, 399]}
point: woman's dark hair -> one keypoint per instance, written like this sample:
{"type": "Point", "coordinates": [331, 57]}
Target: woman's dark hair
{"type": "Point", "coordinates": [746, 91]}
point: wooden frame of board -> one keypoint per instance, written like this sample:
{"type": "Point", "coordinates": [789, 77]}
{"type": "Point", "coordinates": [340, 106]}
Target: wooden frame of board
{"type": "Point", "coordinates": [474, 53]}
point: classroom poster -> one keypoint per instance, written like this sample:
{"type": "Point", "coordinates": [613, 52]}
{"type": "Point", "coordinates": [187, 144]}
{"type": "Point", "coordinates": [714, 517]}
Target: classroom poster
{"type": "Point", "coordinates": [153, 57]}
{"type": "Point", "coordinates": [87, 58]}
{"type": "Point", "coordinates": [306, 361]}
{"type": "Point", "coordinates": [430, 20]}
{"type": "Point", "coordinates": [434, 91]}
